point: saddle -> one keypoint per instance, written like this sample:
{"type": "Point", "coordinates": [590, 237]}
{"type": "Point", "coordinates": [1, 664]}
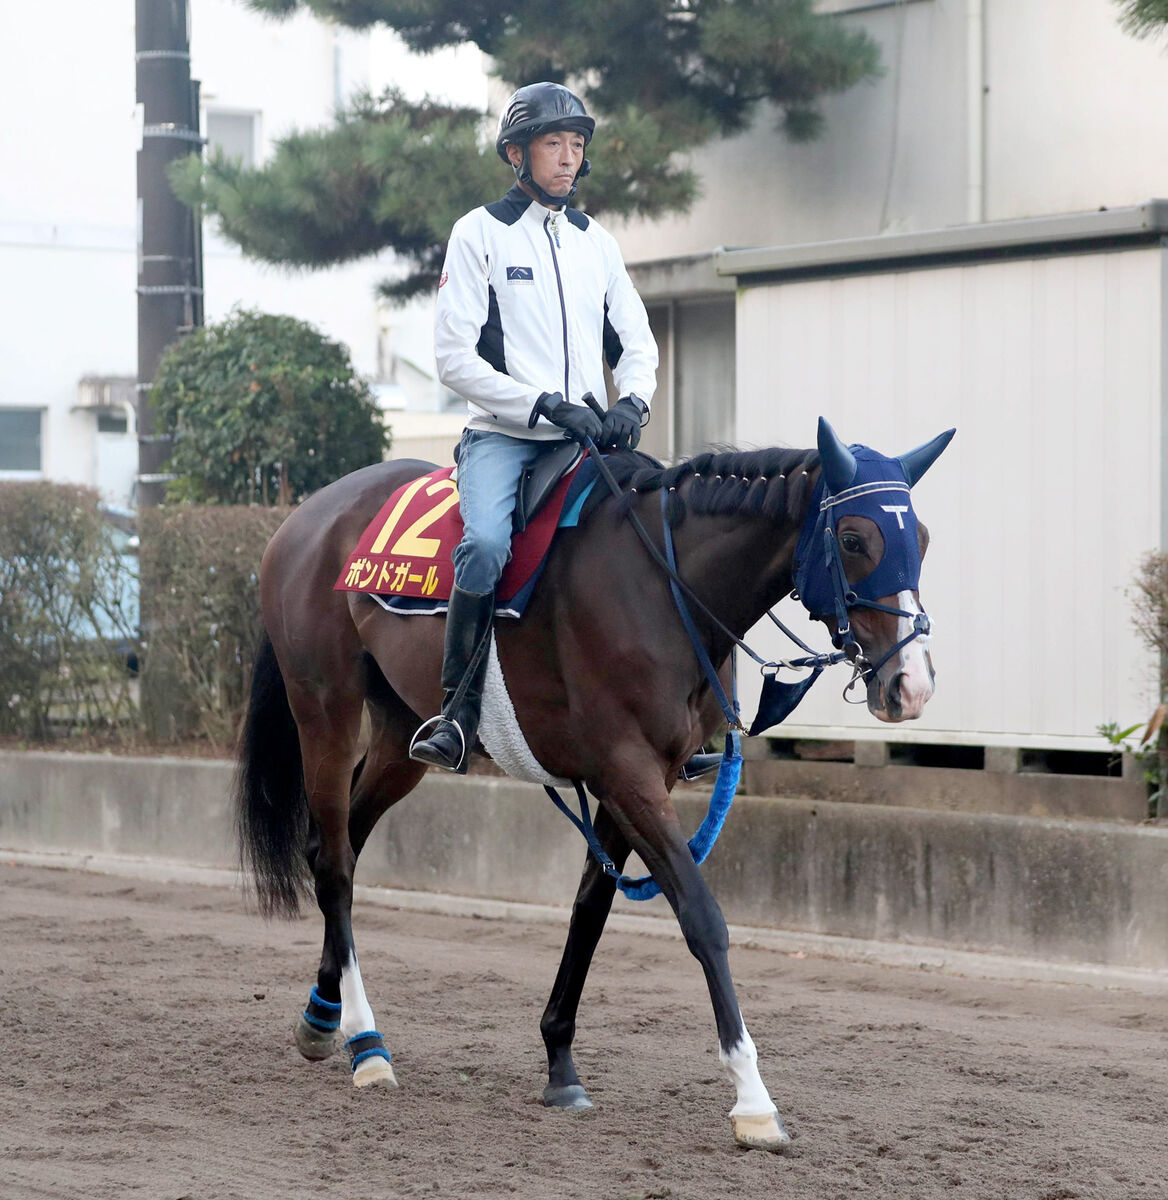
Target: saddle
{"type": "Point", "coordinates": [404, 557]}
{"type": "Point", "coordinates": [539, 481]}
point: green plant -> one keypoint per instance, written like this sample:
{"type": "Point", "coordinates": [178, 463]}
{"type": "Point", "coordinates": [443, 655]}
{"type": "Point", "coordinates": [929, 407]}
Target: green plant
{"type": "Point", "coordinates": [1144, 751]}
{"type": "Point", "coordinates": [1149, 596]}
{"type": "Point", "coordinates": [1144, 18]}
{"type": "Point", "coordinates": [1118, 738]}
{"type": "Point", "coordinates": [663, 76]}
{"type": "Point", "coordinates": [264, 410]}
{"type": "Point", "coordinates": [68, 620]}
{"type": "Point", "coordinates": [204, 614]}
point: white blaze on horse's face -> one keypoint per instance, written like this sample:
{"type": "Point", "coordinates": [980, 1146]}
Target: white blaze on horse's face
{"type": "Point", "coordinates": [904, 684]}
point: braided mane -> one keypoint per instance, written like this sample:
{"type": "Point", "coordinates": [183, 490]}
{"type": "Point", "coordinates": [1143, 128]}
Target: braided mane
{"type": "Point", "coordinates": [771, 483]}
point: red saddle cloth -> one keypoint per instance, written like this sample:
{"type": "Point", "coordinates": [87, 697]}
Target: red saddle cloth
{"type": "Point", "coordinates": [406, 549]}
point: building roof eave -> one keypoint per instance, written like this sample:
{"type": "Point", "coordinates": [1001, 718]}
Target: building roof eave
{"type": "Point", "coordinates": [1065, 233]}
{"type": "Point", "coordinates": [688, 275]}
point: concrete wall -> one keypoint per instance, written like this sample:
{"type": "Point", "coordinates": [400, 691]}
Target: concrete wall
{"type": "Point", "coordinates": [1062, 890]}
{"type": "Point", "coordinates": [941, 789]}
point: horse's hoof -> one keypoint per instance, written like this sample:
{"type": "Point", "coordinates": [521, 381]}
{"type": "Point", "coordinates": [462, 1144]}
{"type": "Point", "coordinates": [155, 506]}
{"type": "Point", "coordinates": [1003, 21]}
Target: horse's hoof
{"type": "Point", "coordinates": [572, 1097]}
{"type": "Point", "coordinates": [374, 1072]}
{"type": "Point", "coordinates": [761, 1133]}
{"type": "Point", "coordinates": [315, 1044]}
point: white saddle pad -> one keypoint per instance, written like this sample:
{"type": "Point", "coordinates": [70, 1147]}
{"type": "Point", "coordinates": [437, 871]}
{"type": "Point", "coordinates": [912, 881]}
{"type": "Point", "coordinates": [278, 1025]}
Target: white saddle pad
{"type": "Point", "coordinates": [500, 732]}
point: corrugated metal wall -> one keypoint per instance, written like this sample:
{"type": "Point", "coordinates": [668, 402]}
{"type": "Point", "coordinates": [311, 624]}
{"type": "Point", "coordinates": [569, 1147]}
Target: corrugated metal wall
{"type": "Point", "coordinates": [1041, 508]}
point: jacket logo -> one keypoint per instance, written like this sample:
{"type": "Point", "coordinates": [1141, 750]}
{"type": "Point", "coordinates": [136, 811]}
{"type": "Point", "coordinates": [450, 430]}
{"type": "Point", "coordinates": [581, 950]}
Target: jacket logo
{"type": "Point", "coordinates": [520, 274]}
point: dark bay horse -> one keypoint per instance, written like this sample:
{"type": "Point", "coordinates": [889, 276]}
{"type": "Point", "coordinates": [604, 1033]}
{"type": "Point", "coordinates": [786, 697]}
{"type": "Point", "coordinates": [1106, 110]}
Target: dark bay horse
{"type": "Point", "coordinates": [605, 685]}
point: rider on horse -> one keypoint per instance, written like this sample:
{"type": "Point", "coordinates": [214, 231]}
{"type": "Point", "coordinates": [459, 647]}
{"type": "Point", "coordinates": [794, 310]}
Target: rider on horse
{"type": "Point", "coordinates": [532, 293]}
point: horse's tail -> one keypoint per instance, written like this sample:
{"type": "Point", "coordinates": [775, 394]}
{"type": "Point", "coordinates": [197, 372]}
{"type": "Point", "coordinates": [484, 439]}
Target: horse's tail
{"type": "Point", "coordinates": [271, 807]}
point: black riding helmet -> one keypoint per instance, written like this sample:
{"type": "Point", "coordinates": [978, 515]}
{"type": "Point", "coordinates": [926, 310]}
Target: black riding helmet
{"type": "Point", "coordinates": [542, 108]}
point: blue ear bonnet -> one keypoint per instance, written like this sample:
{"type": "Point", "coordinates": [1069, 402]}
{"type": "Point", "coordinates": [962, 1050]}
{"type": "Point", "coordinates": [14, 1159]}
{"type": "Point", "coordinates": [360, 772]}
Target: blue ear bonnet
{"type": "Point", "coordinates": [880, 492]}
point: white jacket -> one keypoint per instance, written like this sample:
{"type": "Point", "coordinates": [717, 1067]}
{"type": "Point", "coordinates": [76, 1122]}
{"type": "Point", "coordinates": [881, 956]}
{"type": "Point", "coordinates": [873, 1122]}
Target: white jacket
{"type": "Point", "coordinates": [529, 301]}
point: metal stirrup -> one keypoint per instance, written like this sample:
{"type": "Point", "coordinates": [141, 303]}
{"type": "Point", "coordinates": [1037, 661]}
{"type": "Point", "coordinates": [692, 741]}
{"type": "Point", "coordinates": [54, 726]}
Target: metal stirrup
{"type": "Point", "coordinates": [434, 721]}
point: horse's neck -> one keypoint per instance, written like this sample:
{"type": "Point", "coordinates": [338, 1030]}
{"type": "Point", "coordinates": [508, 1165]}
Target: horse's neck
{"type": "Point", "coordinates": [738, 566]}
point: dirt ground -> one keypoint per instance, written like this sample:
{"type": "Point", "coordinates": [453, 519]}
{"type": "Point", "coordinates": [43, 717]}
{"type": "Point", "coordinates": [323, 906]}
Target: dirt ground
{"type": "Point", "coordinates": [149, 1054]}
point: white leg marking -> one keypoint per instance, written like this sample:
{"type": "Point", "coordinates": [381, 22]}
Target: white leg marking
{"type": "Point", "coordinates": [741, 1063]}
{"type": "Point", "coordinates": [356, 1015]}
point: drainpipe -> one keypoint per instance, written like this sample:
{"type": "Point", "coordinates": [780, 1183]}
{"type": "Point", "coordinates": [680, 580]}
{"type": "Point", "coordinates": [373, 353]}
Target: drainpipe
{"type": "Point", "coordinates": [975, 91]}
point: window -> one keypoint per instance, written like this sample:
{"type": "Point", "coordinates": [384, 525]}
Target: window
{"type": "Point", "coordinates": [20, 439]}
{"type": "Point", "coordinates": [112, 421]}
{"type": "Point", "coordinates": [234, 133]}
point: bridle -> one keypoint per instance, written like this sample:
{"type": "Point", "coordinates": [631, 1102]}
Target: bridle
{"type": "Point", "coordinates": [778, 697]}
{"type": "Point", "coordinates": [845, 597]}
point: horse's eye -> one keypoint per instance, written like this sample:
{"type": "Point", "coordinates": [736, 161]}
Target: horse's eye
{"type": "Point", "coordinates": [852, 543]}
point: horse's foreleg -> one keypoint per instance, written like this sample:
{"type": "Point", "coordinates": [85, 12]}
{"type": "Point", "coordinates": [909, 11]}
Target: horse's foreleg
{"type": "Point", "coordinates": [338, 1005]}
{"type": "Point", "coordinates": [661, 844]}
{"type": "Point", "coordinates": [589, 913]}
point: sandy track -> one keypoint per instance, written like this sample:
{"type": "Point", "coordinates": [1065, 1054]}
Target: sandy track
{"type": "Point", "coordinates": [149, 1054]}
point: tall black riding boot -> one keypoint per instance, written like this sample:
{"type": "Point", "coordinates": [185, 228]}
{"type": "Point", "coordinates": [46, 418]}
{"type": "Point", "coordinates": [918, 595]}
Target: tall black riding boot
{"type": "Point", "coordinates": [451, 736]}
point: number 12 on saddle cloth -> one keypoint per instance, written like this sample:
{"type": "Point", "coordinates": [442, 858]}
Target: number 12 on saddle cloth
{"type": "Point", "coordinates": [405, 550]}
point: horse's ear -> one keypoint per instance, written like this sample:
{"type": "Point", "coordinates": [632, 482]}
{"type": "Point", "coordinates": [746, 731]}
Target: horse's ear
{"type": "Point", "coordinates": [839, 463]}
{"type": "Point", "coordinates": [917, 462]}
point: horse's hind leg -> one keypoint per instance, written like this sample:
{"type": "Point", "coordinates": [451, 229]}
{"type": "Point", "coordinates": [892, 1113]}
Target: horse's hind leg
{"type": "Point", "coordinates": [589, 913]}
{"type": "Point", "coordinates": [329, 731]}
{"type": "Point", "coordinates": [388, 773]}
{"type": "Point", "coordinates": [383, 777]}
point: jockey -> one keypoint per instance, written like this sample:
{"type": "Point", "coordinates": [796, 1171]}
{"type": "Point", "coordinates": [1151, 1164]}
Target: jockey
{"type": "Point", "coordinates": [532, 294]}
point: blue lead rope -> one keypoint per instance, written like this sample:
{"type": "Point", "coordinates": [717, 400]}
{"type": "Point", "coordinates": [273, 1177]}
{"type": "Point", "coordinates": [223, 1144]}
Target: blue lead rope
{"type": "Point", "coordinates": [729, 770]}
{"type": "Point", "coordinates": [700, 845]}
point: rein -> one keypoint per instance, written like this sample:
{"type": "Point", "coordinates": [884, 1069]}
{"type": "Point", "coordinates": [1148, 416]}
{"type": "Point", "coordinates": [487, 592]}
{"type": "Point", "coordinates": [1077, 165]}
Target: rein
{"type": "Point", "coordinates": [848, 647]}
{"type": "Point", "coordinates": [778, 699]}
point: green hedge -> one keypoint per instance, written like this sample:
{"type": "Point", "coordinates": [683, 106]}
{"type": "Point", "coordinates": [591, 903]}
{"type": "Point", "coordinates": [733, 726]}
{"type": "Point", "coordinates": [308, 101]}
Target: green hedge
{"type": "Point", "coordinates": [200, 616]}
{"type": "Point", "coordinates": [67, 623]}
{"type": "Point", "coordinates": [70, 644]}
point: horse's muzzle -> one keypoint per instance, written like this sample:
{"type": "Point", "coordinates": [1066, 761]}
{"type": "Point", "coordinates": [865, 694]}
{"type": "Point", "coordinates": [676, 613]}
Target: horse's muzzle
{"type": "Point", "coordinates": [904, 696]}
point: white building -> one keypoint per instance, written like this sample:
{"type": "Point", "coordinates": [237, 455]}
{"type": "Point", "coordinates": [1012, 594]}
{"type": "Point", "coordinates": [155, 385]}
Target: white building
{"type": "Point", "coordinates": [68, 264]}
{"type": "Point", "coordinates": [916, 268]}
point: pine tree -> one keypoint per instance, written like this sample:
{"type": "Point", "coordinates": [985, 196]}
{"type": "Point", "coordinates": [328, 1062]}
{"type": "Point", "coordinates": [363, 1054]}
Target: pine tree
{"type": "Point", "coordinates": [663, 76]}
{"type": "Point", "coordinates": [1144, 18]}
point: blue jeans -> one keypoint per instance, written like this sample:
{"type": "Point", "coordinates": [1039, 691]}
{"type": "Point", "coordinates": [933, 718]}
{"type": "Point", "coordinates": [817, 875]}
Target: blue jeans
{"type": "Point", "coordinates": [490, 466]}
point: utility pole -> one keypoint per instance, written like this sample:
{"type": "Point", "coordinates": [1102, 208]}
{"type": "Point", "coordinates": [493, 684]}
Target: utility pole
{"type": "Point", "coordinates": [170, 268]}
{"type": "Point", "coordinates": [170, 293]}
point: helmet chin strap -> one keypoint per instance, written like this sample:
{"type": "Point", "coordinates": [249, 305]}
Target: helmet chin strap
{"type": "Point", "coordinates": [523, 175]}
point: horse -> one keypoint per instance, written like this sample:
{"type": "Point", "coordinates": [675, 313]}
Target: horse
{"type": "Point", "coordinates": [605, 684]}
